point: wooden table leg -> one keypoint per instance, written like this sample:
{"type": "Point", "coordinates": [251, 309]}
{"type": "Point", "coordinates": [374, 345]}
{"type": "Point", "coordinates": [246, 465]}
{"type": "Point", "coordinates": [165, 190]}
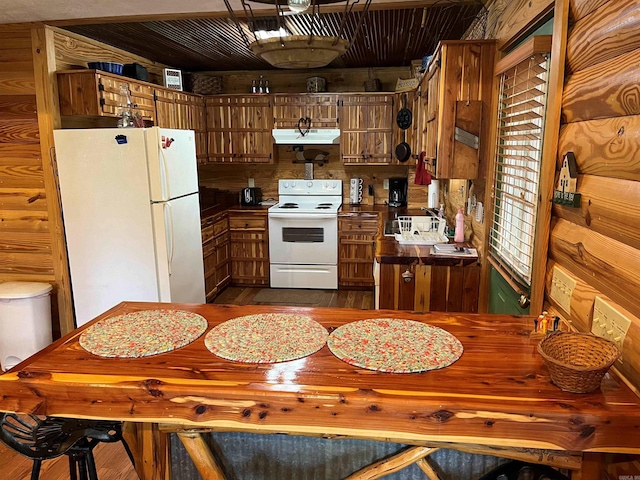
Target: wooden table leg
{"type": "Point", "coordinates": [392, 464]}
{"type": "Point", "coordinates": [427, 469]}
{"type": "Point", "coordinates": [201, 456]}
{"type": "Point", "coordinates": [151, 450]}
{"type": "Point", "coordinates": [591, 469]}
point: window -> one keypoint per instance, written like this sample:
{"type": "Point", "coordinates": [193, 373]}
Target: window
{"type": "Point", "coordinates": [516, 173]}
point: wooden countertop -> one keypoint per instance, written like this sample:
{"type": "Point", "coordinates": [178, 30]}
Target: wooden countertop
{"type": "Point", "coordinates": [498, 393]}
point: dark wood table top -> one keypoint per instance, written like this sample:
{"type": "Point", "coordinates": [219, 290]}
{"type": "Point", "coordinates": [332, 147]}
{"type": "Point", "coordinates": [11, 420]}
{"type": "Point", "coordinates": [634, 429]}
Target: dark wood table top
{"type": "Point", "coordinates": [498, 393]}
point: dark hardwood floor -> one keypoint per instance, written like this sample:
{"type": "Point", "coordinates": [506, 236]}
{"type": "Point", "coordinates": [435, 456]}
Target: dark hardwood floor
{"type": "Point", "coordinates": [362, 299]}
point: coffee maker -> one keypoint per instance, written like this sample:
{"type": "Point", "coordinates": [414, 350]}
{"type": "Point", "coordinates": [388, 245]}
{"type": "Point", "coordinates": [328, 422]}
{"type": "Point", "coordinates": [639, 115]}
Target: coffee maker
{"type": "Point", "coordinates": [398, 192]}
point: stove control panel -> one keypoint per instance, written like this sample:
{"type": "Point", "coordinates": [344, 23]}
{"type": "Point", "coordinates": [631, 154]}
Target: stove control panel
{"type": "Point", "coordinates": [310, 187]}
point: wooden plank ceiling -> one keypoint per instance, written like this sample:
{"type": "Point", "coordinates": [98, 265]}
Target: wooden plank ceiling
{"type": "Point", "coordinates": [388, 38]}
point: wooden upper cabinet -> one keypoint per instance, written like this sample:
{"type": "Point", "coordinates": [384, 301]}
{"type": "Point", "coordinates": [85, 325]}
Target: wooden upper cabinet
{"type": "Point", "coordinates": [95, 93]}
{"type": "Point", "coordinates": [322, 109]}
{"type": "Point", "coordinates": [190, 114]}
{"type": "Point", "coordinates": [456, 108]}
{"type": "Point", "coordinates": [239, 129]}
{"type": "Point", "coordinates": [366, 128]}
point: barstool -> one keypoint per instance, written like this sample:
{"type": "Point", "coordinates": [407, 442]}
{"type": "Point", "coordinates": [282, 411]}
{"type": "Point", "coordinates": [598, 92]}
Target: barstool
{"type": "Point", "coordinates": [44, 439]}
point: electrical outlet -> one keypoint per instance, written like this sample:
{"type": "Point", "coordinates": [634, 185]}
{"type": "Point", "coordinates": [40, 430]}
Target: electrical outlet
{"type": "Point", "coordinates": [252, 183]}
{"type": "Point", "coordinates": [385, 184]}
{"type": "Point", "coordinates": [609, 323]}
{"type": "Point", "coordinates": [562, 286]}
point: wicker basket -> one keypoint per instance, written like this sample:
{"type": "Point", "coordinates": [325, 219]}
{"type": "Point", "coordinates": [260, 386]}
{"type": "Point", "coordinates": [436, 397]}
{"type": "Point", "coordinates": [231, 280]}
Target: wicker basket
{"type": "Point", "coordinates": [577, 361]}
{"type": "Point", "coordinates": [205, 84]}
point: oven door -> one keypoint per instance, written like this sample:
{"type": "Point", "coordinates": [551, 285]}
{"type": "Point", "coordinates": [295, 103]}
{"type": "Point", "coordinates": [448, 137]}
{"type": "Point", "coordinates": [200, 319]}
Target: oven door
{"type": "Point", "coordinates": [303, 238]}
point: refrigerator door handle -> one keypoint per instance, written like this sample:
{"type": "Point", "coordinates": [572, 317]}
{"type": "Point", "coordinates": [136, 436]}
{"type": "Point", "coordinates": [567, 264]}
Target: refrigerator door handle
{"type": "Point", "coordinates": [165, 174]}
{"type": "Point", "coordinates": [169, 234]}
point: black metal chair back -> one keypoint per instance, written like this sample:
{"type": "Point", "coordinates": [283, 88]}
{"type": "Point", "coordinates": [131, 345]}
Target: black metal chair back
{"type": "Point", "coordinates": [50, 437]}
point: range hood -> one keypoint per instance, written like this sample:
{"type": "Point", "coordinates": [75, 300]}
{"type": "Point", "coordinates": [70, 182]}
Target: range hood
{"type": "Point", "coordinates": [313, 136]}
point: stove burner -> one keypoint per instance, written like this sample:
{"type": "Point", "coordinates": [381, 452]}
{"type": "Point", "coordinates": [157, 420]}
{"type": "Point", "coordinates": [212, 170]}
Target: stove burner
{"type": "Point", "coordinates": [289, 205]}
{"type": "Point", "coordinates": [324, 207]}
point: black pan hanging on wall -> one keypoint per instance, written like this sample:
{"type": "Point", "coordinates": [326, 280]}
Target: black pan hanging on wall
{"type": "Point", "coordinates": [404, 119]}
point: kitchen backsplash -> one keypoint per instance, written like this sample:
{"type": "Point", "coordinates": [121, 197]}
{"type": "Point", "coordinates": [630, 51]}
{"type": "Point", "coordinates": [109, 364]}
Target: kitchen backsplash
{"type": "Point", "coordinates": [235, 177]}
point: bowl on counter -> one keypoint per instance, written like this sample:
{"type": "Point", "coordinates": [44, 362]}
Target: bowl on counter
{"type": "Point", "coordinates": [109, 67]}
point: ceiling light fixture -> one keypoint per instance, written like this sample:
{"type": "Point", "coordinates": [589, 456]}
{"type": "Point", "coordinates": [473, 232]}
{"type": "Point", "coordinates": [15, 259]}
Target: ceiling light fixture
{"type": "Point", "coordinates": [314, 43]}
{"type": "Point", "coordinates": [299, 6]}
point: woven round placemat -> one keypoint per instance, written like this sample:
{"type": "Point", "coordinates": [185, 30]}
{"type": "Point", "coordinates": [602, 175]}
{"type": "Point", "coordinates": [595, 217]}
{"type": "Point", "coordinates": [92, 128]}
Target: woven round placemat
{"type": "Point", "coordinates": [143, 333]}
{"type": "Point", "coordinates": [394, 345]}
{"type": "Point", "coordinates": [266, 338]}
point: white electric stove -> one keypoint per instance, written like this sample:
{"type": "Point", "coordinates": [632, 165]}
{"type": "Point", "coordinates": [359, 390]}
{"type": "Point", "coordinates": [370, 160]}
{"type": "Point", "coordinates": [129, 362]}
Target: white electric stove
{"type": "Point", "coordinates": [303, 234]}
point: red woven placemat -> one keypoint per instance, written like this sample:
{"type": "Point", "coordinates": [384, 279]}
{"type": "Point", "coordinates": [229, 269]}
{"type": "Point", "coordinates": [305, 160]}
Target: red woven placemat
{"type": "Point", "coordinates": [144, 333]}
{"type": "Point", "coordinates": [266, 338]}
{"type": "Point", "coordinates": [394, 345]}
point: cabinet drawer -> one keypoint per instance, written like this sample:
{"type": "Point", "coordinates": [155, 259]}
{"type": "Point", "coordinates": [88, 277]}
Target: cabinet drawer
{"type": "Point", "coordinates": [248, 223]}
{"type": "Point", "coordinates": [220, 226]}
{"type": "Point", "coordinates": [362, 225]}
{"type": "Point", "coordinates": [207, 233]}
{"type": "Point", "coordinates": [208, 248]}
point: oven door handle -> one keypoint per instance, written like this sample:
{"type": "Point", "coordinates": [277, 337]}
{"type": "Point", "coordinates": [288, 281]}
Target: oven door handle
{"type": "Point", "coordinates": [303, 216]}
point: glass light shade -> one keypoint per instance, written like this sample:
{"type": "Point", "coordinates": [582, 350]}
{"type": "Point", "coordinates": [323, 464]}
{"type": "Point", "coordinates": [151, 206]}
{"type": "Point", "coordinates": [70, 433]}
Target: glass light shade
{"type": "Point", "coordinates": [298, 6]}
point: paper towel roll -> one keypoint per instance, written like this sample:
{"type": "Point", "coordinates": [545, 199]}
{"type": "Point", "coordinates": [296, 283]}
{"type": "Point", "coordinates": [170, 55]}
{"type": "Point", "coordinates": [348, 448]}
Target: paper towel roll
{"type": "Point", "coordinates": [433, 194]}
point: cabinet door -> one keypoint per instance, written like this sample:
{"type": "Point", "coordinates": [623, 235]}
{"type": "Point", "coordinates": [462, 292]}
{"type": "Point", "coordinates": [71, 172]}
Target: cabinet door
{"type": "Point", "coordinates": [223, 263]}
{"type": "Point", "coordinates": [191, 115]}
{"type": "Point", "coordinates": [219, 128]}
{"type": "Point", "coordinates": [249, 248]}
{"type": "Point", "coordinates": [111, 100]}
{"type": "Point", "coordinates": [356, 250]}
{"type": "Point", "coordinates": [249, 258]}
{"type": "Point", "coordinates": [353, 128]}
{"type": "Point", "coordinates": [288, 109]}
{"type": "Point", "coordinates": [252, 122]}
{"type": "Point", "coordinates": [166, 109]}
{"type": "Point", "coordinates": [183, 111]}
{"type": "Point", "coordinates": [143, 97]}
{"type": "Point", "coordinates": [380, 128]}
{"type": "Point", "coordinates": [322, 109]}
{"type": "Point", "coordinates": [366, 123]}
{"type": "Point", "coordinates": [239, 129]}
{"type": "Point", "coordinates": [198, 117]}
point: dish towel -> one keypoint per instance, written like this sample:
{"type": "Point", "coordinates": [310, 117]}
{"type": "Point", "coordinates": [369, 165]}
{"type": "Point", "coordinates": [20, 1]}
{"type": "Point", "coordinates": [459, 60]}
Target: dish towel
{"type": "Point", "coordinates": [423, 177]}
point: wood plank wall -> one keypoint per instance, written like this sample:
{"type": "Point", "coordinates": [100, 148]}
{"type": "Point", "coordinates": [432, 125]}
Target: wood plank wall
{"type": "Point", "coordinates": [25, 238]}
{"type": "Point", "coordinates": [598, 244]}
{"type": "Point", "coordinates": [73, 51]}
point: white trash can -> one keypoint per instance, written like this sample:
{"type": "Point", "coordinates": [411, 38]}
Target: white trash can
{"type": "Point", "coordinates": [25, 321]}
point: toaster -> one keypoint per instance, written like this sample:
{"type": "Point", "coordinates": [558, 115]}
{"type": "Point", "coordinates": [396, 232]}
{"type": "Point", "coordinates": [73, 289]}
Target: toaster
{"type": "Point", "coordinates": [251, 196]}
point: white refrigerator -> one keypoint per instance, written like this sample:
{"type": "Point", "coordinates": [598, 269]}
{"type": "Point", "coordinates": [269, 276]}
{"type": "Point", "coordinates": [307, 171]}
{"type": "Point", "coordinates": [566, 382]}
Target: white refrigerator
{"type": "Point", "coordinates": [131, 216]}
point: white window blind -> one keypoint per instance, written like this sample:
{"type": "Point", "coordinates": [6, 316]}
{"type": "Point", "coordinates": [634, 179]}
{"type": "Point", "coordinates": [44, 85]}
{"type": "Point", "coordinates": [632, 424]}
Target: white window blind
{"type": "Point", "coordinates": [521, 111]}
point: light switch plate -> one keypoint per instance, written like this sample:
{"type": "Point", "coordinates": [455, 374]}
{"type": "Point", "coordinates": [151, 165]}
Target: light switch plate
{"type": "Point", "coordinates": [609, 323]}
{"type": "Point", "coordinates": [252, 183]}
{"type": "Point", "coordinates": [562, 286]}
{"type": "Point", "coordinates": [385, 184]}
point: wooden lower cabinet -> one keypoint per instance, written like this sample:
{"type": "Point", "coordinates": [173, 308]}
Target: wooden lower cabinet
{"type": "Point", "coordinates": [249, 248]}
{"type": "Point", "coordinates": [429, 288]}
{"type": "Point", "coordinates": [216, 253]}
{"type": "Point", "coordinates": [356, 250]}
